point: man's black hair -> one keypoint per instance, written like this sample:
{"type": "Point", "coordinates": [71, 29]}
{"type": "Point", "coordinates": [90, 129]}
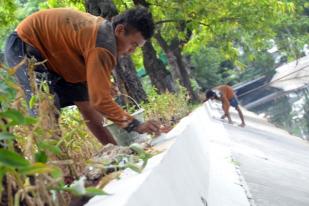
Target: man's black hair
{"type": "Point", "coordinates": [139, 19]}
{"type": "Point", "coordinates": [210, 94]}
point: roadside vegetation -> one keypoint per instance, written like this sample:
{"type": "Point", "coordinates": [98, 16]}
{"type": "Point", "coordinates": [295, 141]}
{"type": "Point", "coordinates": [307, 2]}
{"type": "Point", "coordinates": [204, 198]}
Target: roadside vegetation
{"type": "Point", "coordinates": [197, 45]}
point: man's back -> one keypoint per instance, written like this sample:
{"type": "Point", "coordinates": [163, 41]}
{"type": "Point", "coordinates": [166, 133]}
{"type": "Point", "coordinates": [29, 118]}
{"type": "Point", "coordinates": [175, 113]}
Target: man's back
{"type": "Point", "coordinates": [226, 90]}
{"type": "Point", "coordinates": [63, 37]}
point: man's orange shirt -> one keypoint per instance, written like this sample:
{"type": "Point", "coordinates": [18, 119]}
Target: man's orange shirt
{"type": "Point", "coordinates": [67, 39]}
{"type": "Point", "coordinates": [227, 93]}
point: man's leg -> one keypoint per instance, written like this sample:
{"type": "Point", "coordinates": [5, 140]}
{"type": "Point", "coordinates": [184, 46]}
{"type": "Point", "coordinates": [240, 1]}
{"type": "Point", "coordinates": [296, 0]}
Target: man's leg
{"type": "Point", "coordinates": [229, 117]}
{"type": "Point", "coordinates": [241, 116]}
{"type": "Point", "coordinates": [94, 122]}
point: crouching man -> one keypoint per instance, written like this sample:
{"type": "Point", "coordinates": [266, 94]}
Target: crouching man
{"type": "Point", "coordinates": [226, 95]}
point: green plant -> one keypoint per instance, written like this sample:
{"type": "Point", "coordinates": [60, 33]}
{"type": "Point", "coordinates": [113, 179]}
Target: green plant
{"type": "Point", "coordinates": [167, 107]}
{"type": "Point", "coordinates": [35, 153]}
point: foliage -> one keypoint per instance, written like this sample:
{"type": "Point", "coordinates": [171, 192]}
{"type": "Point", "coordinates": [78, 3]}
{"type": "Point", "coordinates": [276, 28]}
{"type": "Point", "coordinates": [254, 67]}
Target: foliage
{"type": "Point", "coordinates": [229, 24]}
{"type": "Point", "coordinates": [137, 59]}
{"type": "Point", "coordinates": [77, 4]}
{"type": "Point", "coordinates": [258, 64]}
{"type": "Point", "coordinates": [35, 151]}
{"type": "Point", "coordinates": [80, 143]}
{"type": "Point", "coordinates": [167, 107]}
{"type": "Point", "coordinates": [292, 31]}
{"type": "Point", "coordinates": [7, 18]}
{"type": "Point", "coordinates": [208, 69]}
{"type": "Point", "coordinates": [34, 157]}
{"type": "Point", "coordinates": [225, 25]}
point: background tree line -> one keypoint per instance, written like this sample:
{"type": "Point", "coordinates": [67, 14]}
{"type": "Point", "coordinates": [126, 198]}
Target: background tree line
{"type": "Point", "coordinates": [197, 43]}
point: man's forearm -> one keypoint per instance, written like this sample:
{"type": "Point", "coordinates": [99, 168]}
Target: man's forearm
{"type": "Point", "coordinates": [94, 121]}
{"type": "Point", "coordinates": [101, 133]}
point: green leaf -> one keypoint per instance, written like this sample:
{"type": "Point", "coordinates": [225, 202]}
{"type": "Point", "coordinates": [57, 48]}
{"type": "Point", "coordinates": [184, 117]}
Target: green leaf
{"type": "Point", "coordinates": [137, 148]}
{"type": "Point", "coordinates": [12, 159]}
{"type": "Point", "coordinates": [17, 117]}
{"type": "Point", "coordinates": [41, 156]}
{"type": "Point", "coordinates": [6, 136]}
{"type": "Point", "coordinates": [32, 101]}
{"type": "Point", "coordinates": [134, 167]}
{"type": "Point", "coordinates": [37, 168]}
{"type": "Point", "coordinates": [29, 120]}
{"type": "Point", "coordinates": [47, 146]}
{"type": "Point", "coordinates": [56, 173]}
{"type": "Point", "coordinates": [71, 190]}
{"type": "Point", "coordinates": [14, 115]}
{"type": "Point", "coordinates": [92, 191]}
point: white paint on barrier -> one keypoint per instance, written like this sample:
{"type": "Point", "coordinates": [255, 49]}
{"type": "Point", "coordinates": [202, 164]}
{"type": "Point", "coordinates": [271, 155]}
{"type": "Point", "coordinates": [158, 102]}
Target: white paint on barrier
{"type": "Point", "coordinates": [195, 170]}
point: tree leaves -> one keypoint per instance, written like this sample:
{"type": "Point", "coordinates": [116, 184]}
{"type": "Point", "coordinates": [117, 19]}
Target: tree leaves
{"type": "Point", "coordinates": [37, 168]}
{"type": "Point", "coordinates": [12, 159]}
{"type": "Point", "coordinates": [14, 117]}
{"type": "Point", "coordinates": [6, 136]}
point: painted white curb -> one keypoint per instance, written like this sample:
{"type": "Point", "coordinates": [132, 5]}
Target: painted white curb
{"type": "Point", "coordinates": [194, 170]}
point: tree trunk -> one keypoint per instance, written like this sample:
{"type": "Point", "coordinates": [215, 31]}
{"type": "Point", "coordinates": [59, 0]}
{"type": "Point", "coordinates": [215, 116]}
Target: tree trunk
{"type": "Point", "coordinates": [159, 75]}
{"type": "Point", "coordinates": [185, 79]}
{"type": "Point", "coordinates": [125, 73]}
{"type": "Point", "coordinates": [170, 56]}
{"type": "Point", "coordinates": [176, 60]}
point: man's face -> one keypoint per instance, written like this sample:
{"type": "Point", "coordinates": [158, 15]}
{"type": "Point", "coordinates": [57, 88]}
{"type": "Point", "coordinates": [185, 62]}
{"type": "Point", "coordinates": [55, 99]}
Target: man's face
{"type": "Point", "coordinates": [127, 42]}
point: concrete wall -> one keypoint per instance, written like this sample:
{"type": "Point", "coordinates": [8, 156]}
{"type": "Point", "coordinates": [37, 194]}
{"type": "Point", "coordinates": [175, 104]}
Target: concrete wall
{"type": "Point", "coordinates": [194, 170]}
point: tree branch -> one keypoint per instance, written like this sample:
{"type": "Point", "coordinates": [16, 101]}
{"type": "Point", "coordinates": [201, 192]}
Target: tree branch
{"type": "Point", "coordinates": [161, 41]}
{"type": "Point", "coordinates": [167, 21]}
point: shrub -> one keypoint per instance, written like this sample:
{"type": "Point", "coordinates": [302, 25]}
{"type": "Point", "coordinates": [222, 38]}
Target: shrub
{"type": "Point", "coordinates": [167, 107]}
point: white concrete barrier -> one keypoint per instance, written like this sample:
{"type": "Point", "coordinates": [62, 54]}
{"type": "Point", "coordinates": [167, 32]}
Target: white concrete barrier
{"type": "Point", "coordinates": [194, 170]}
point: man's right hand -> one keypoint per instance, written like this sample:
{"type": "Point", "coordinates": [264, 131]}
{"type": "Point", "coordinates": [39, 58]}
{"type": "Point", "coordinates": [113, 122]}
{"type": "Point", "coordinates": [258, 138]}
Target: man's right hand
{"type": "Point", "coordinates": [150, 127]}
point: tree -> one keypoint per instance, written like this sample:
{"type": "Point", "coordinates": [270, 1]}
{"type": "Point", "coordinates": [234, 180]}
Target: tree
{"type": "Point", "coordinates": [159, 75]}
{"type": "Point", "coordinates": [171, 53]}
{"type": "Point", "coordinates": [126, 73]}
{"type": "Point", "coordinates": [207, 67]}
{"type": "Point", "coordinates": [291, 31]}
{"type": "Point", "coordinates": [184, 26]}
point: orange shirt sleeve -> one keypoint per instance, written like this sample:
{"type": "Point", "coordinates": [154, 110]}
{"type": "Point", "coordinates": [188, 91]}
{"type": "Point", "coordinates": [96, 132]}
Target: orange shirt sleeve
{"type": "Point", "coordinates": [100, 63]}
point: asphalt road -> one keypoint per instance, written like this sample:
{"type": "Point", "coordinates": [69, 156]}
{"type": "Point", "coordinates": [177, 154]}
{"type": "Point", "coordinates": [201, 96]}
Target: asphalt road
{"type": "Point", "coordinates": [274, 164]}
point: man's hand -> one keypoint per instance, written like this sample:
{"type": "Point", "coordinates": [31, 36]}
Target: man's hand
{"type": "Point", "coordinates": [150, 127]}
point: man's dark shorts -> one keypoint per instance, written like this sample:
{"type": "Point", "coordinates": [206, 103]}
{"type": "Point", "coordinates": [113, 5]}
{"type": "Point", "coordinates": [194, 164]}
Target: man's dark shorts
{"type": "Point", "coordinates": [234, 102]}
{"type": "Point", "coordinates": [65, 93]}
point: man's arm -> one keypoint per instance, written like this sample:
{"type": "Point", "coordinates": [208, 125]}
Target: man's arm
{"type": "Point", "coordinates": [100, 63]}
{"type": "Point", "coordinates": [94, 122]}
